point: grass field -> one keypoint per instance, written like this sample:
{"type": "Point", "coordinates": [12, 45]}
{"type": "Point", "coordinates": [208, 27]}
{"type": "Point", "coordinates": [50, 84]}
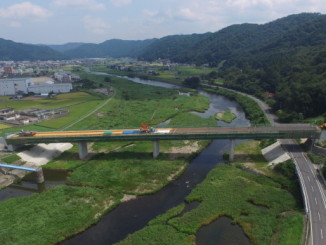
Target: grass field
{"type": "Point", "coordinates": [230, 191]}
{"type": "Point", "coordinates": [135, 103]}
{"type": "Point", "coordinates": [77, 103]}
{"type": "Point", "coordinates": [59, 101]}
{"type": "Point", "coordinates": [50, 217]}
{"type": "Point", "coordinates": [4, 126]}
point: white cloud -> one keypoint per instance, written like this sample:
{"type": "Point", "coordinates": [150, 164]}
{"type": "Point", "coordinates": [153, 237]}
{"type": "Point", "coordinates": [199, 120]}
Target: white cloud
{"type": "Point", "coordinates": [24, 10]}
{"type": "Point", "coordinates": [119, 3]}
{"type": "Point", "coordinates": [96, 25]}
{"type": "Point", "coordinates": [186, 14]}
{"type": "Point", "coordinates": [83, 4]}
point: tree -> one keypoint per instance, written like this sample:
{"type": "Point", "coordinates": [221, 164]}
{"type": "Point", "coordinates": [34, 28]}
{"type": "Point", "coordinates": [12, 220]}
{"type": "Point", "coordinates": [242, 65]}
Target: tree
{"type": "Point", "coordinates": [192, 82]}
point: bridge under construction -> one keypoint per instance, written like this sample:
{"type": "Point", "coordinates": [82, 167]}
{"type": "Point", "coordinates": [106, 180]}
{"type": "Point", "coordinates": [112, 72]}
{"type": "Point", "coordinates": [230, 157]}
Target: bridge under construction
{"type": "Point", "coordinates": [286, 131]}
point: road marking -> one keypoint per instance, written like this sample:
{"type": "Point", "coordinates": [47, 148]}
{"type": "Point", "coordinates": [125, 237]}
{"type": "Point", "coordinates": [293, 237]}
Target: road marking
{"type": "Point", "coordinates": [316, 200]}
{"type": "Point", "coordinates": [321, 233]}
{"type": "Point", "coordinates": [312, 189]}
{"type": "Point", "coordinates": [308, 178]}
{"type": "Point", "coordinates": [319, 216]}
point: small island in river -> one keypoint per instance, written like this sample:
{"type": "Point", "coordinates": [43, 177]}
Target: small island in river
{"type": "Point", "coordinates": [225, 116]}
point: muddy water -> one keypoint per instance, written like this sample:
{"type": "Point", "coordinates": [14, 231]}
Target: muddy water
{"type": "Point", "coordinates": [28, 185]}
{"type": "Point", "coordinates": [133, 215]}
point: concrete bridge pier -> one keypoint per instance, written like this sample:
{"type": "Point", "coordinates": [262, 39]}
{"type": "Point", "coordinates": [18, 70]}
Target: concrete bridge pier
{"type": "Point", "coordinates": [231, 155]}
{"type": "Point", "coordinates": [39, 176]}
{"type": "Point", "coordinates": [156, 148]}
{"type": "Point", "coordinates": [83, 151]}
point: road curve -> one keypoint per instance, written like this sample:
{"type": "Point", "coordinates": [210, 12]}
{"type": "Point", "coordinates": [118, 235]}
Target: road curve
{"type": "Point", "coordinates": [313, 191]}
{"type": "Point", "coordinates": [313, 187]}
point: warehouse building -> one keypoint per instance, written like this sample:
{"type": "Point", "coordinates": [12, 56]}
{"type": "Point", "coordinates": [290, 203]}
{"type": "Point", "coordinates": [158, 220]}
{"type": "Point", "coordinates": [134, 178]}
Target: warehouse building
{"type": "Point", "coordinates": [14, 86]}
{"type": "Point", "coordinates": [18, 86]}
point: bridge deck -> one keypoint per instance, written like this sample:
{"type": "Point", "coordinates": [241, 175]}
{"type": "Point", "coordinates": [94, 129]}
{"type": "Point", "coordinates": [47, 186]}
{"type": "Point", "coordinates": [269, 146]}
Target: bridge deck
{"type": "Point", "coordinates": [281, 132]}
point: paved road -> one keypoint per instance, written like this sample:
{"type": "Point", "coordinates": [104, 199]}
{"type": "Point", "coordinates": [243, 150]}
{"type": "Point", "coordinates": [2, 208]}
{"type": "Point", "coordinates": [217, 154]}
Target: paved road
{"type": "Point", "coordinates": [313, 191]}
{"type": "Point", "coordinates": [312, 183]}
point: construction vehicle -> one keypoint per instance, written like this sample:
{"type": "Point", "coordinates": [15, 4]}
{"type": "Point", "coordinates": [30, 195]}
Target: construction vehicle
{"type": "Point", "coordinates": [26, 133]}
{"type": "Point", "coordinates": [144, 128]}
{"type": "Point", "coordinates": [323, 126]}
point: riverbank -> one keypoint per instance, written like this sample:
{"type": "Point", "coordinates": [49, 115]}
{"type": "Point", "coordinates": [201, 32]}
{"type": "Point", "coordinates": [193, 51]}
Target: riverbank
{"type": "Point", "coordinates": [113, 171]}
{"type": "Point", "coordinates": [225, 116]}
{"type": "Point", "coordinates": [256, 208]}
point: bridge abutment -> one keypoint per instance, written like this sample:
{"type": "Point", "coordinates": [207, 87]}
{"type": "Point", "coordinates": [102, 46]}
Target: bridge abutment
{"type": "Point", "coordinates": [156, 148]}
{"type": "Point", "coordinates": [231, 155]}
{"type": "Point", "coordinates": [39, 176]}
{"type": "Point", "coordinates": [83, 150]}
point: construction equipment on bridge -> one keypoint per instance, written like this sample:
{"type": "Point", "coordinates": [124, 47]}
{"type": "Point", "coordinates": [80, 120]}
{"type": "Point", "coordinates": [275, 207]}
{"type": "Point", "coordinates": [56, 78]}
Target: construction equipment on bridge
{"type": "Point", "coordinates": [144, 128]}
{"type": "Point", "coordinates": [26, 133]}
{"type": "Point", "coordinates": [323, 126]}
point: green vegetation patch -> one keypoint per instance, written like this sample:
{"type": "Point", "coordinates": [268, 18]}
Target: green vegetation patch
{"type": "Point", "coordinates": [159, 234]}
{"type": "Point", "coordinates": [250, 107]}
{"type": "Point", "coordinates": [52, 216]}
{"type": "Point", "coordinates": [59, 101]}
{"type": "Point", "coordinates": [266, 211]}
{"type": "Point", "coordinates": [130, 172]}
{"type": "Point", "coordinates": [225, 116]}
{"type": "Point", "coordinates": [3, 126]}
{"type": "Point", "coordinates": [10, 159]}
{"type": "Point", "coordinates": [135, 103]}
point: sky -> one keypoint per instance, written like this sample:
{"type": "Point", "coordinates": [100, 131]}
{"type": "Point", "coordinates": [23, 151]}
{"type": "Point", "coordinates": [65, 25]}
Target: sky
{"type": "Point", "coordinates": [94, 21]}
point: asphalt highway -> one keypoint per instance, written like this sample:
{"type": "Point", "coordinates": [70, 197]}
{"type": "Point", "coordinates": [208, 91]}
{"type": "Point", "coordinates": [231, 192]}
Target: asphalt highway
{"type": "Point", "coordinates": [313, 191]}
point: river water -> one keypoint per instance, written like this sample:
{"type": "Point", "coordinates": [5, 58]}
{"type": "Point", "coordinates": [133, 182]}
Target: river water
{"type": "Point", "coordinates": [133, 215]}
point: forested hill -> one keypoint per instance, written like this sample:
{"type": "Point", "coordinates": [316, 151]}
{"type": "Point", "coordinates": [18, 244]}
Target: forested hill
{"type": "Point", "coordinates": [114, 48]}
{"type": "Point", "coordinates": [10, 50]}
{"type": "Point", "coordinates": [291, 65]}
{"type": "Point", "coordinates": [286, 57]}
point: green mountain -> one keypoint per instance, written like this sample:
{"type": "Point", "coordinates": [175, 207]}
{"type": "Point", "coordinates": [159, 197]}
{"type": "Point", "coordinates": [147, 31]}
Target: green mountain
{"type": "Point", "coordinates": [10, 50]}
{"type": "Point", "coordinates": [65, 47]}
{"type": "Point", "coordinates": [114, 48]}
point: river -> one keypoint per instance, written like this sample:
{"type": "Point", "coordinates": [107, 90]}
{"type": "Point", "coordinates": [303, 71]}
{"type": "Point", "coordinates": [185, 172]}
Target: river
{"type": "Point", "coordinates": [133, 215]}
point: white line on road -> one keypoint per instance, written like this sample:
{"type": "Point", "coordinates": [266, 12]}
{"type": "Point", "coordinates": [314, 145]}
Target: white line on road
{"type": "Point", "coordinates": [308, 178]}
{"type": "Point", "coordinates": [313, 190]}
{"type": "Point", "coordinates": [321, 233]}
{"type": "Point", "coordinates": [316, 200]}
{"type": "Point", "coordinates": [319, 216]}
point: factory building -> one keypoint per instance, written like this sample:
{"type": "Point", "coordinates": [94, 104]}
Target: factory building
{"type": "Point", "coordinates": [48, 88]}
{"type": "Point", "coordinates": [14, 86]}
{"type": "Point", "coordinates": [18, 86]}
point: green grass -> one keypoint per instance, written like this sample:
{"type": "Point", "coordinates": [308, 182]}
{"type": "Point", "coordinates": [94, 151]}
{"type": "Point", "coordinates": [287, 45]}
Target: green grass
{"type": "Point", "coordinates": [137, 103]}
{"type": "Point", "coordinates": [291, 229]}
{"type": "Point", "coordinates": [251, 108]}
{"type": "Point", "coordinates": [4, 97]}
{"type": "Point", "coordinates": [230, 191]}
{"type": "Point", "coordinates": [75, 112]}
{"type": "Point", "coordinates": [52, 216]}
{"type": "Point", "coordinates": [59, 101]}
{"type": "Point", "coordinates": [10, 159]}
{"type": "Point", "coordinates": [4, 126]}
{"type": "Point", "coordinates": [225, 116]}
{"type": "Point", "coordinates": [131, 172]}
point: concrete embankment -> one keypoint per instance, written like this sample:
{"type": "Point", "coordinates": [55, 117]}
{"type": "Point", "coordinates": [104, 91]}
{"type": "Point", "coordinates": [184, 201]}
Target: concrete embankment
{"type": "Point", "coordinates": [275, 154]}
{"type": "Point", "coordinates": [35, 157]}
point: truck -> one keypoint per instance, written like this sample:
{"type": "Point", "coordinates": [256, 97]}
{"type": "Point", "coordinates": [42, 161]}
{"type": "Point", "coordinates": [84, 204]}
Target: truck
{"type": "Point", "coordinates": [26, 133]}
{"type": "Point", "coordinates": [144, 128]}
